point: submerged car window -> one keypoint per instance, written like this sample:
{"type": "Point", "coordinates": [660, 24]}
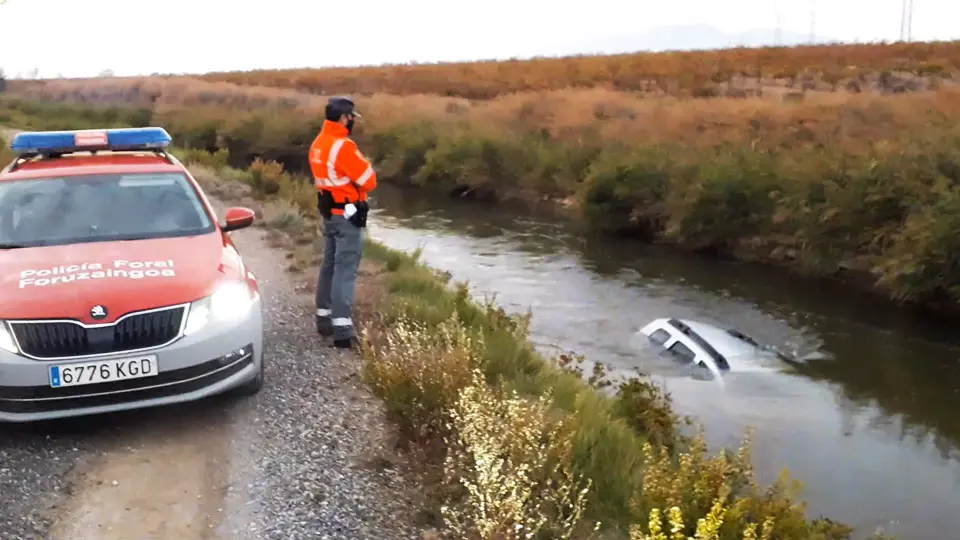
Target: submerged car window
{"type": "Point", "coordinates": [681, 352]}
{"type": "Point", "coordinates": [660, 337]}
{"type": "Point", "coordinates": [99, 208]}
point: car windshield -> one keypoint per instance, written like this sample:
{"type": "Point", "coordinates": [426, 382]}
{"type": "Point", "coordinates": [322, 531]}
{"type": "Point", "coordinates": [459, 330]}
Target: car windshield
{"type": "Point", "coordinates": [99, 208]}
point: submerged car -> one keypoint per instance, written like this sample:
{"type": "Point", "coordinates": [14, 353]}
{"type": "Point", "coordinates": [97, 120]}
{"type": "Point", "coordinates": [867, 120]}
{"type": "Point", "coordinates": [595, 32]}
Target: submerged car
{"type": "Point", "coordinates": [120, 288]}
{"type": "Point", "coordinates": [718, 350]}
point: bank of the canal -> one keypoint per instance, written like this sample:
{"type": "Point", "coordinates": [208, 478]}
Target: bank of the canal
{"type": "Point", "coordinates": [868, 422]}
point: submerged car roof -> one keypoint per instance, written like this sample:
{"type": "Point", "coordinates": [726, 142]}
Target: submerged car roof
{"type": "Point", "coordinates": [84, 164]}
{"type": "Point", "coordinates": [723, 341]}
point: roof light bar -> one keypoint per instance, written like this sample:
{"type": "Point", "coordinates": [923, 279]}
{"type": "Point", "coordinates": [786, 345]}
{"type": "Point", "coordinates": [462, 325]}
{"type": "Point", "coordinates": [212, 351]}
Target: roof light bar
{"type": "Point", "coordinates": [90, 140]}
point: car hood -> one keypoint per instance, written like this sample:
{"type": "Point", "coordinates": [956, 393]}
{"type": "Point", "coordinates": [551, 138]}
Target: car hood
{"type": "Point", "coordinates": [756, 360]}
{"type": "Point", "coordinates": [67, 281]}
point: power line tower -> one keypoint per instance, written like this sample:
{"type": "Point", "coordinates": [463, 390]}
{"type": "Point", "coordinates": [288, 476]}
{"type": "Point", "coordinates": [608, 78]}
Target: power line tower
{"type": "Point", "coordinates": [903, 20]}
{"type": "Point", "coordinates": [906, 21]}
{"type": "Point", "coordinates": [909, 20]}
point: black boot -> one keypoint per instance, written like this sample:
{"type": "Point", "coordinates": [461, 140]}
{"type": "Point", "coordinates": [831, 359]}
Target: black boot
{"type": "Point", "coordinates": [324, 325]}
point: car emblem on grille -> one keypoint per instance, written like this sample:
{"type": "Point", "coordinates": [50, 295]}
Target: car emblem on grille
{"type": "Point", "coordinates": [98, 312]}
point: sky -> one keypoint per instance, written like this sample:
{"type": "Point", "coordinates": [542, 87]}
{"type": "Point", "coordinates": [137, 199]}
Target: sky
{"type": "Point", "coordinates": [76, 38]}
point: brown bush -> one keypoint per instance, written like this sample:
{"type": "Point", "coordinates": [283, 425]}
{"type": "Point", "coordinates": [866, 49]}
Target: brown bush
{"type": "Point", "coordinates": [686, 73]}
{"type": "Point", "coordinates": [743, 72]}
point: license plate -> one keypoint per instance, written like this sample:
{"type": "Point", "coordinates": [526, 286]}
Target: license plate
{"type": "Point", "coordinates": [103, 371]}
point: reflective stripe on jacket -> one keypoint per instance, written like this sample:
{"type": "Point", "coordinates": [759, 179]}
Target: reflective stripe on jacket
{"type": "Point", "coordinates": [339, 167]}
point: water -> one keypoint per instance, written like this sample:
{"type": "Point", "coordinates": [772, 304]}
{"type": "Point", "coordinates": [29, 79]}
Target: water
{"type": "Point", "coordinates": [868, 422]}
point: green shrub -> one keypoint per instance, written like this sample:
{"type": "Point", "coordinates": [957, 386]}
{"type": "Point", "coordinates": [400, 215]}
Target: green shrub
{"type": "Point", "coordinates": [43, 116]}
{"type": "Point", "coordinates": [722, 199]}
{"type": "Point", "coordinates": [624, 190]}
{"type": "Point", "coordinates": [215, 160]}
{"type": "Point", "coordinates": [266, 176]}
{"type": "Point", "coordinates": [401, 152]}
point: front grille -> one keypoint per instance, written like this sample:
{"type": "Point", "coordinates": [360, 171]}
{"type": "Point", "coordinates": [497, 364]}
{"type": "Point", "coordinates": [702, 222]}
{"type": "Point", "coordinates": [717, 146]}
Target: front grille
{"type": "Point", "coordinates": [58, 339]}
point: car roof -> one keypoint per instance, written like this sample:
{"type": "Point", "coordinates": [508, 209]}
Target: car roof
{"type": "Point", "coordinates": [84, 164]}
{"type": "Point", "coordinates": [723, 341]}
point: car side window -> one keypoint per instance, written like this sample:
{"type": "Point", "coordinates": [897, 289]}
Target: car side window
{"type": "Point", "coordinates": [681, 352]}
{"type": "Point", "coordinates": [660, 336]}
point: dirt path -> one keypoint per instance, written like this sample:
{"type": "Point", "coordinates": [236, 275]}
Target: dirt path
{"type": "Point", "coordinates": [293, 462]}
{"type": "Point", "coordinates": [165, 483]}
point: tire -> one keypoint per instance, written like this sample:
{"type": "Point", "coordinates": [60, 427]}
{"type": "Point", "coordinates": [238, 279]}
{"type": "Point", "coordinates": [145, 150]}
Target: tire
{"type": "Point", "coordinates": [253, 387]}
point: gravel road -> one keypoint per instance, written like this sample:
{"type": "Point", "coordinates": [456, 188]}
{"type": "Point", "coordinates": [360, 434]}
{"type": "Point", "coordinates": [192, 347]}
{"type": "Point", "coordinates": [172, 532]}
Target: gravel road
{"type": "Point", "coordinates": [309, 457]}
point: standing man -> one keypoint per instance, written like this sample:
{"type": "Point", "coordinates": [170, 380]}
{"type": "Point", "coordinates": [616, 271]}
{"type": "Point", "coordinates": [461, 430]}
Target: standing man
{"type": "Point", "coordinates": [343, 177]}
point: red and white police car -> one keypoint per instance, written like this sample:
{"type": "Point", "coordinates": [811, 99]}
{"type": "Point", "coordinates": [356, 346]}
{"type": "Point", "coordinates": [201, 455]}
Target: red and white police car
{"type": "Point", "coordinates": [119, 287]}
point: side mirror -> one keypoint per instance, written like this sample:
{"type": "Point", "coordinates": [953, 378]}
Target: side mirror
{"type": "Point", "coordinates": [238, 218]}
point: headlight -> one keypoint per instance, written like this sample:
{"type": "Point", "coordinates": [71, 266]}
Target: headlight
{"type": "Point", "coordinates": [231, 301]}
{"type": "Point", "coordinates": [6, 339]}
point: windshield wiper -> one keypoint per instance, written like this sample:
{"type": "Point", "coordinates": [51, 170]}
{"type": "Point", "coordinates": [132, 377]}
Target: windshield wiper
{"type": "Point", "coordinates": [133, 238]}
{"type": "Point", "coordinates": [12, 246]}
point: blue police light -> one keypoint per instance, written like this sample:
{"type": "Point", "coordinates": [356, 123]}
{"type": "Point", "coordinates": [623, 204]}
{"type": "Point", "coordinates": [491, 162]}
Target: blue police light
{"type": "Point", "coordinates": [62, 142]}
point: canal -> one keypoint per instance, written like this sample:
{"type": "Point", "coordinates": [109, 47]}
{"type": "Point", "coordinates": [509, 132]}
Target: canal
{"type": "Point", "coordinates": [868, 422]}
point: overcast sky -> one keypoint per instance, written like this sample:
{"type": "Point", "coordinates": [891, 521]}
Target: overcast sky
{"type": "Point", "coordinates": [85, 37]}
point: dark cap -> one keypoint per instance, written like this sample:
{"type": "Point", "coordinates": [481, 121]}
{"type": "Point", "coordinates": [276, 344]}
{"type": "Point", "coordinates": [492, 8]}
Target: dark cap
{"type": "Point", "coordinates": [340, 105]}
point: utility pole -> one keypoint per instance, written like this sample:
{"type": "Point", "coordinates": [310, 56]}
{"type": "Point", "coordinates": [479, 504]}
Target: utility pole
{"type": "Point", "coordinates": [903, 21]}
{"type": "Point", "coordinates": [906, 21]}
{"type": "Point", "coordinates": [910, 20]}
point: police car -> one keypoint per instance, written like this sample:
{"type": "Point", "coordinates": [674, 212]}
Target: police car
{"type": "Point", "coordinates": [119, 287]}
{"type": "Point", "coordinates": [698, 344]}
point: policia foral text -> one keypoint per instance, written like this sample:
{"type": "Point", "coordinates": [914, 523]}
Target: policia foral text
{"type": "Point", "coordinates": [343, 178]}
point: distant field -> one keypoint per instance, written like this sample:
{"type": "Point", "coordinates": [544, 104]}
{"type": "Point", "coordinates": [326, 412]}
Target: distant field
{"type": "Point", "coordinates": [739, 73]}
{"type": "Point", "coordinates": [735, 72]}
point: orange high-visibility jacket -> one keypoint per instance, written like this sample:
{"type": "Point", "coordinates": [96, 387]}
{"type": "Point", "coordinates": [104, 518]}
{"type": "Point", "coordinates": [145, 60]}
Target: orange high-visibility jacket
{"type": "Point", "coordinates": [339, 167]}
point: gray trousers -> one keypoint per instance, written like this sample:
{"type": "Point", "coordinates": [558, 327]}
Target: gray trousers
{"type": "Point", "coordinates": [336, 284]}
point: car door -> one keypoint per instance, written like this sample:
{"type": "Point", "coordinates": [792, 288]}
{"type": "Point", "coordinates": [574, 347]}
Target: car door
{"type": "Point", "coordinates": [684, 355]}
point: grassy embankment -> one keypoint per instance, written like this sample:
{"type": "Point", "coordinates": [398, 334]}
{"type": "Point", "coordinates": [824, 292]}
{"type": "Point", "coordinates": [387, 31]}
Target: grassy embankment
{"type": "Point", "coordinates": [507, 437]}
{"type": "Point", "coordinates": [829, 183]}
